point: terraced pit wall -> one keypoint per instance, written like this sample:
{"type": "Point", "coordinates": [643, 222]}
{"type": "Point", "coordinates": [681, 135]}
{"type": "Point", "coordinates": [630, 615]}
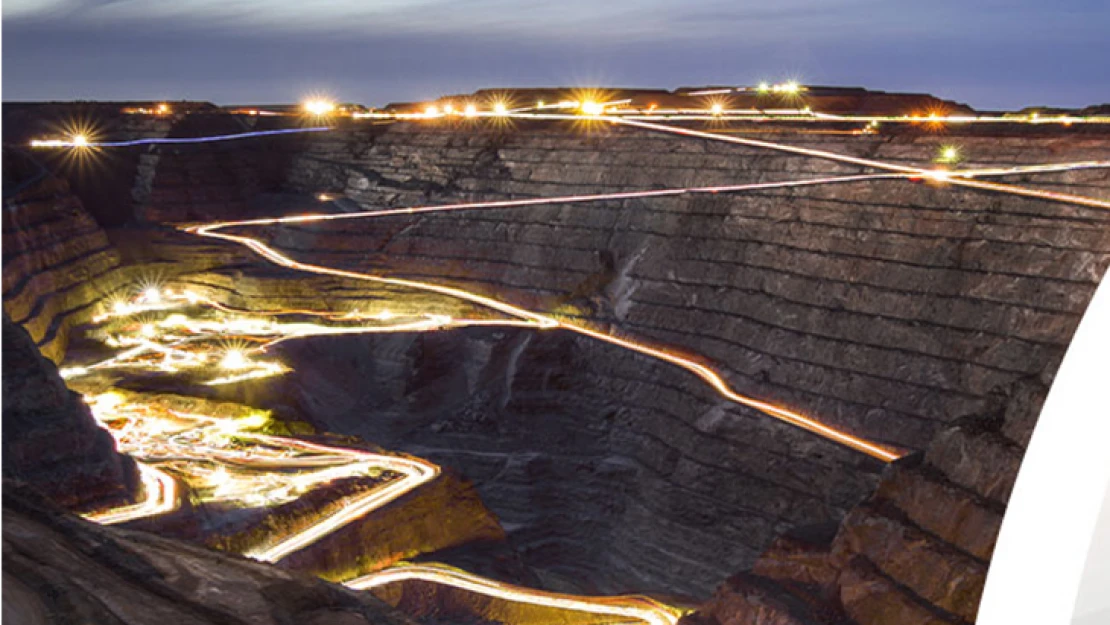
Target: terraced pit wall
{"type": "Point", "coordinates": [890, 309]}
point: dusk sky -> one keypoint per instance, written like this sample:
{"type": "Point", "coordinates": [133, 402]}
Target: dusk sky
{"type": "Point", "coordinates": [987, 53]}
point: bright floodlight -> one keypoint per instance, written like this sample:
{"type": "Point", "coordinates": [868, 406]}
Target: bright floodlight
{"type": "Point", "coordinates": [234, 359]}
{"type": "Point", "coordinates": [717, 109]}
{"type": "Point", "coordinates": [253, 421]}
{"type": "Point", "coordinates": [500, 108]}
{"type": "Point", "coordinates": [948, 154]}
{"type": "Point", "coordinates": [764, 87]}
{"type": "Point", "coordinates": [431, 111]}
{"type": "Point", "coordinates": [589, 107]}
{"type": "Point", "coordinates": [80, 141]}
{"type": "Point", "coordinates": [471, 110]}
{"type": "Point", "coordinates": [219, 477]}
{"type": "Point", "coordinates": [319, 107]}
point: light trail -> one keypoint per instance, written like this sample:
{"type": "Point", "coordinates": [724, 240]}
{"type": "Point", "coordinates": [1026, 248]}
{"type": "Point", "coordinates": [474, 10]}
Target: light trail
{"type": "Point", "coordinates": [939, 175]}
{"type": "Point", "coordinates": [416, 473]}
{"type": "Point", "coordinates": [153, 434]}
{"type": "Point", "coordinates": [159, 496]}
{"type": "Point", "coordinates": [540, 320]}
{"type": "Point", "coordinates": [716, 110]}
{"type": "Point", "coordinates": [961, 178]}
{"type": "Point", "coordinates": [628, 606]}
{"type": "Point", "coordinates": [194, 343]}
{"type": "Point", "coordinates": [81, 141]}
{"type": "Point", "coordinates": [547, 322]}
{"type": "Point", "coordinates": [1017, 170]}
{"type": "Point", "coordinates": [205, 230]}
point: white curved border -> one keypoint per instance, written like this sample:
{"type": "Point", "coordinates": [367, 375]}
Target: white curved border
{"type": "Point", "coordinates": [1093, 605]}
{"type": "Point", "coordinates": [1039, 560]}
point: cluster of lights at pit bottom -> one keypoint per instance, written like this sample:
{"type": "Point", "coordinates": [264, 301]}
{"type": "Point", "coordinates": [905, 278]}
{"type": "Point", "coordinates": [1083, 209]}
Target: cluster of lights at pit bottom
{"type": "Point", "coordinates": [228, 460]}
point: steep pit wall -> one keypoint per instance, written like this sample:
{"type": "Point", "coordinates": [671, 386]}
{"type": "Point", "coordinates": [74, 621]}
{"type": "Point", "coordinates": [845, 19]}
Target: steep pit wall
{"type": "Point", "coordinates": [58, 263]}
{"type": "Point", "coordinates": [51, 441]}
{"type": "Point", "coordinates": [81, 225]}
{"type": "Point", "coordinates": [583, 454]}
{"type": "Point", "coordinates": [915, 553]}
{"type": "Point", "coordinates": [104, 179]}
{"type": "Point", "coordinates": [199, 182]}
{"type": "Point", "coordinates": [886, 308]}
{"type": "Point", "coordinates": [889, 308]}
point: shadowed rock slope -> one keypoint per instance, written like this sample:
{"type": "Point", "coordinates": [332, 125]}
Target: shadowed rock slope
{"type": "Point", "coordinates": [915, 553]}
{"type": "Point", "coordinates": [51, 440]}
{"type": "Point", "coordinates": [59, 569]}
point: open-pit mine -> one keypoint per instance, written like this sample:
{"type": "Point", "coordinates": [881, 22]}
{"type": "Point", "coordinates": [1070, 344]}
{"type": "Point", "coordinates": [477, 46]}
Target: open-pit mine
{"type": "Point", "coordinates": [717, 356]}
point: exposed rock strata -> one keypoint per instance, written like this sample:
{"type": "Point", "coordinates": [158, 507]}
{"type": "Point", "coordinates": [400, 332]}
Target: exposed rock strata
{"type": "Point", "coordinates": [59, 569]}
{"type": "Point", "coordinates": [58, 263]}
{"type": "Point", "coordinates": [590, 502]}
{"type": "Point", "coordinates": [216, 180]}
{"type": "Point", "coordinates": [888, 308]}
{"type": "Point", "coordinates": [916, 552]}
{"type": "Point", "coordinates": [443, 514]}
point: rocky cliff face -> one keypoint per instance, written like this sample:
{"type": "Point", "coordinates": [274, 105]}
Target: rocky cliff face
{"type": "Point", "coordinates": [58, 262]}
{"type": "Point", "coordinates": [891, 309]}
{"type": "Point", "coordinates": [60, 569]}
{"type": "Point", "coordinates": [916, 552]}
{"type": "Point", "coordinates": [51, 441]}
{"type": "Point", "coordinates": [595, 496]}
{"type": "Point", "coordinates": [208, 181]}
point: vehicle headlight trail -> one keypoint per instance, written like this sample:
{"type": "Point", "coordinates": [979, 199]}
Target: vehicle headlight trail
{"type": "Point", "coordinates": [547, 322]}
{"type": "Point", "coordinates": [540, 320]}
{"type": "Point", "coordinates": [632, 607]}
{"type": "Point", "coordinates": [81, 141]}
{"type": "Point", "coordinates": [159, 497]}
{"type": "Point", "coordinates": [965, 178]}
{"type": "Point", "coordinates": [956, 178]}
{"type": "Point", "coordinates": [162, 438]}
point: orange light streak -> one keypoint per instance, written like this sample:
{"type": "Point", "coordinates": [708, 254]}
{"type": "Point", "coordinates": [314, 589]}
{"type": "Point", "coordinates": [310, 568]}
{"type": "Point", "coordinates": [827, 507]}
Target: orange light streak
{"type": "Point", "coordinates": [953, 177]}
{"type": "Point", "coordinates": [547, 322]}
{"type": "Point", "coordinates": [159, 497]}
{"type": "Point", "coordinates": [628, 606]}
{"type": "Point", "coordinates": [707, 374]}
